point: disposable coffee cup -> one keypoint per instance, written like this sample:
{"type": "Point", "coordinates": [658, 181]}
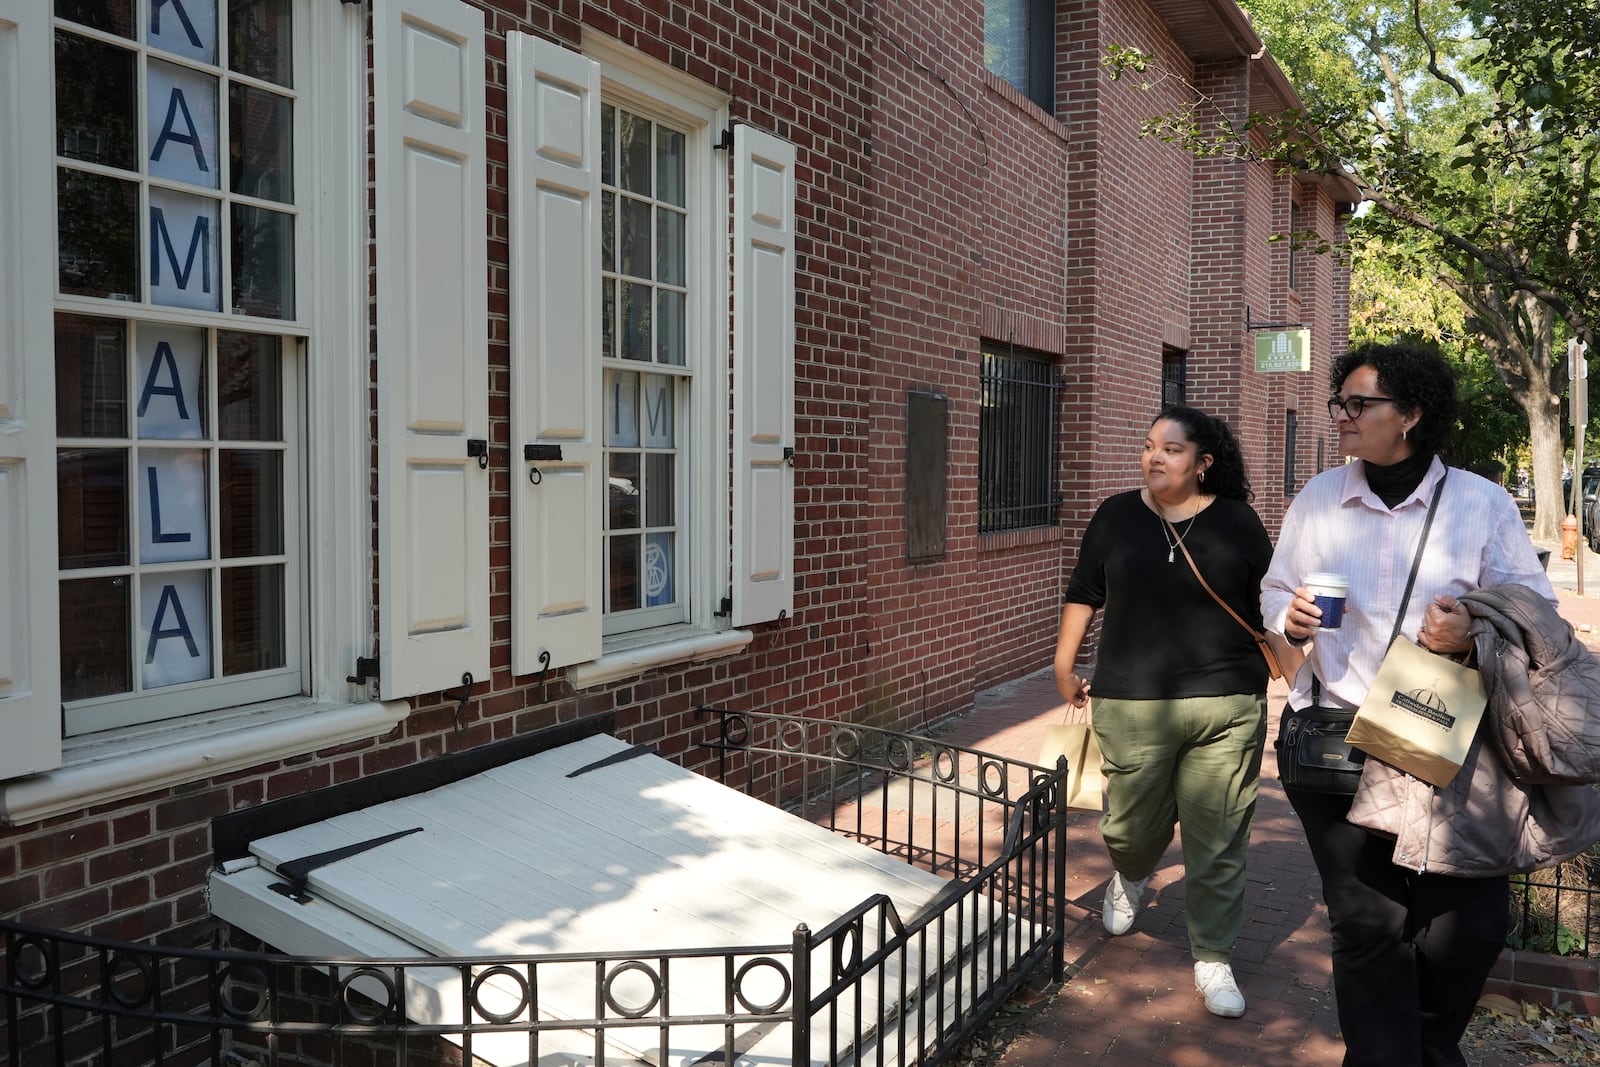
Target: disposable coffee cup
{"type": "Point", "coordinates": [1328, 592]}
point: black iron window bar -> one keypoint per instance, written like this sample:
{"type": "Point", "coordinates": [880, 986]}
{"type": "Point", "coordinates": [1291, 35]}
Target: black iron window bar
{"type": "Point", "coordinates": [871, 984]}
{"type": "Point", "coordinates": [1018, 442]}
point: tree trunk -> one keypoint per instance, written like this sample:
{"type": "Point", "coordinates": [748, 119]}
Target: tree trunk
{"type": "Point", "coordinates": [1544, 436]}
{"type": "Point", "coordinates": [1519, 334]}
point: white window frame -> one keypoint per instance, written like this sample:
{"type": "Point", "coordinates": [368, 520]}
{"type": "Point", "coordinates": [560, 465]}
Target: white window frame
{"type": "Point", "coordinates": [635, 83]}
{"type": "Point", "coordinates": [332, 301]}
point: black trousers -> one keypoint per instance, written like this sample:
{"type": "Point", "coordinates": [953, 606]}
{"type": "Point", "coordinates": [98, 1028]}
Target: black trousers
{"type": "Point", "coordinates": [1411, 952]}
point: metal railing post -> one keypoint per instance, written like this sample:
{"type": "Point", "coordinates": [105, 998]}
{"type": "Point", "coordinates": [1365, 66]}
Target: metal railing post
{"type": "Point", "coordinates": [800, 1006]}
{"type": "Point", "coordinates": [1058, 888]}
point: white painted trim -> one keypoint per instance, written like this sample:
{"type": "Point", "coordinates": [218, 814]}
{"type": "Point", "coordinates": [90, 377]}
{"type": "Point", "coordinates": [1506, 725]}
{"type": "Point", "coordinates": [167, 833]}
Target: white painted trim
{"type": "Point", "coordinates": [654, 84]}
{"type": "Point", "coordinates": [116, 766]}
{"type": "Point", "coordinates": [338, 493]}
{"type": "Point", "coordinates": [633, 654]}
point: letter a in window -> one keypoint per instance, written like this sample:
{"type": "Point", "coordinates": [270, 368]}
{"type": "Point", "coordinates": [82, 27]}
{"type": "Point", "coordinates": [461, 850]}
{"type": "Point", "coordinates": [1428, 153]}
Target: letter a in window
{"type": "Point", "coordinates": [163, 361]}
{"type": "Point", "coordinates": [175, 619]}
{"type": "Point", "coordinates": [176, 104]}
{"type": "Point", "coordinates": [169, 596]}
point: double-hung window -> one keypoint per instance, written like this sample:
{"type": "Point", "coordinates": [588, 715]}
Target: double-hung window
{"type": "Point", "coordinates": [647, 382]}
{"type": "Point", "coordinates": [171, 298]}
{"type": "Point", "coordinates": [178, 358]}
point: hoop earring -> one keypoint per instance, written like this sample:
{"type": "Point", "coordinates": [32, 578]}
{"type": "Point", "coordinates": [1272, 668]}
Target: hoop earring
{"type": "Point", "coordinates": [1202, 477]}
{"type": "Point", "coordinates": [1405, 435]}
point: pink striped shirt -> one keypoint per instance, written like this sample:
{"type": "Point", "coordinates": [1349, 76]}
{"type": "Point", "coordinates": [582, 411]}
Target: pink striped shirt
{"type": "Point", "coordinates": [1338, 524]}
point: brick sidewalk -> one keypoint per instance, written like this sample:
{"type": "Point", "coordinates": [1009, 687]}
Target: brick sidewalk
{"type": "Point", "coordinates": [1130, 1001]}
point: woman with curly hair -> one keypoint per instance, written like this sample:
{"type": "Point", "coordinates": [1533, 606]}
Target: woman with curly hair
{"type": "Point", "coordinates": [1180, 688]}
{"type": "Point", "coordinates": [1414, 936]}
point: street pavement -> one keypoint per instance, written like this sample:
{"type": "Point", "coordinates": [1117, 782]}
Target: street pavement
{"type": "Point", "coordinates": [1131, 1000]}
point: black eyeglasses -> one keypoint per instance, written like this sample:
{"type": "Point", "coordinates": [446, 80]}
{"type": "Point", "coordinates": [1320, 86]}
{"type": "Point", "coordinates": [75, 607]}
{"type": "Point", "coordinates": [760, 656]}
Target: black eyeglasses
{"type": "Point", "coordinates": [1355, 405]}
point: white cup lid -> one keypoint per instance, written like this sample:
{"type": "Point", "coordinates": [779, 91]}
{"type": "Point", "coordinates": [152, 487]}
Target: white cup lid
{"type": "Point", "coordinates": [1328, 580]}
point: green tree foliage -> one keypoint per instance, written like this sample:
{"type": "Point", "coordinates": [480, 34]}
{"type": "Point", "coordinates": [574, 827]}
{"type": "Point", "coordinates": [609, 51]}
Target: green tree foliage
{"type": "Point", "coordinates": [1473, 131]}
{"type": "Point", "coordinates": [1394, 294]}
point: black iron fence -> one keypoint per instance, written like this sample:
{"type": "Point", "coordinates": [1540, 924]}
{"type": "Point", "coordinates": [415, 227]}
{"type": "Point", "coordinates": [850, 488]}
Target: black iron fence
{"type": "Point", "coordinates": [1555, 911]}
{"type": "Point", "coordinates": [872, 987]}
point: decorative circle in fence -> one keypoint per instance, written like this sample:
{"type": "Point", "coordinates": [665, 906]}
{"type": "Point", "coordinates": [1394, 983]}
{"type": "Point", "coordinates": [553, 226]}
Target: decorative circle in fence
{"type": "Point", "coordinates": [1043, 803]}
{"type": "Point", "coordinates": [31, 962]}
{"type": "Point", "coordinates": [248, 979]}
{"type": "Point", "coordinates": [901, 753]}
{"type": "Point", "coordinates": [992, 778]}
{"type": "Point", "coordinates": [765, 963]}
{"type": "Point", "coordinates": [621, 971]}
{"type": "Point", "coordinates": [355, 1001]}
{"type": "Point", "coordinates": [799, 744]}
{"type": "Point", "coordinates": [129, 980]}
{"type": "Point", "coordinates": [501, 971]}
{"type": "Point", "coordinates": [845, 743]}
{"type": "Point", "coordinates": [847, 950]}
{"type": "Point", "coordinates": [945, 764]}
{"type": "Point", "coordinates": [735, 730]}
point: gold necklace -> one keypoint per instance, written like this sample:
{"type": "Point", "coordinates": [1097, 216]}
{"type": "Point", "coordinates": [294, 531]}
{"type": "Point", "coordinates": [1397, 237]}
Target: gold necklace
{"type": "Point", "coordinates": [1169, 531]}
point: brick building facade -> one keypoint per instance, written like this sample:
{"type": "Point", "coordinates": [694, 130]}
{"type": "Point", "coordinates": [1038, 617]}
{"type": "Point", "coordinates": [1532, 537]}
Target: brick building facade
{"type": "Point", "coordinates": [570, 347]}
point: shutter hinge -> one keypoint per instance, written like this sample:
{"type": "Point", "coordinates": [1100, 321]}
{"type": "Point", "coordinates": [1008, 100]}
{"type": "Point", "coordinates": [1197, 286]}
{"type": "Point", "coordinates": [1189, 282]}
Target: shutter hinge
{"type": "Point", "coordinates": [726, 608]}
{"type": "Point", "coordinates": [725, 142]}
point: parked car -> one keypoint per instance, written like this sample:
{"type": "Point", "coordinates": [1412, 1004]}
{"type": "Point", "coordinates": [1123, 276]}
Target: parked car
{"type": "Point", "coordinates": [1591, 483]}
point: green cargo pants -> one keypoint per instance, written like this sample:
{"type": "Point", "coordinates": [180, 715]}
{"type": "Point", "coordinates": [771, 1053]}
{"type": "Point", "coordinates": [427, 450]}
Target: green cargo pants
{"type": "Point", "coordinates": [1191, 763]}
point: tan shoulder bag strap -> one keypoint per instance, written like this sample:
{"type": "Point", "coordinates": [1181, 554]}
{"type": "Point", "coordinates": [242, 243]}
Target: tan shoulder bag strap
{"type": "Point", "coordinates": [1251, 630]}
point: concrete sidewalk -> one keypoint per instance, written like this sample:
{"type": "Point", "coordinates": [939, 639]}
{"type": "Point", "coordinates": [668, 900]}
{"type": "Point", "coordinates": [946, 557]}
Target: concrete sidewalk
{"type": "Point", "coordinates": [1130, 1001]}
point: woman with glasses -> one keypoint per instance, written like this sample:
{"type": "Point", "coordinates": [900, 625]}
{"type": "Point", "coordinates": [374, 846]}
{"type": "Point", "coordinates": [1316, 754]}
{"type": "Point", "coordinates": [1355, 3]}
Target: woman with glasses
{"type": "Point", "coordinates": [1413, 940]}
{"type": "Point", "coordinates": [1180, 688]}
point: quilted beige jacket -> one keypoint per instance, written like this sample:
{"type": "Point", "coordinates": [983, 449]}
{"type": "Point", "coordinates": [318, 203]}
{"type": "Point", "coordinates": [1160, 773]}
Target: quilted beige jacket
{"type": "Point", "coordinates": [1543, 685]}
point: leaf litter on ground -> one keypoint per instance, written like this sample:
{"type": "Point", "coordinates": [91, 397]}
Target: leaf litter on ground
{"type": "Point", "coordinates": [1504, 1031]}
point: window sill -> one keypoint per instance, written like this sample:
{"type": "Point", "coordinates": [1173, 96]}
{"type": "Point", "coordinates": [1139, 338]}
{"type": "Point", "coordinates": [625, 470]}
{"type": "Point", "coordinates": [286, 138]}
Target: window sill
{"type": "Point", "coordinates": [1001, 540]}
{"type": "Point", "coordinates": [124, 763]}
{"type": "Point", "coordinates": [627, 655]}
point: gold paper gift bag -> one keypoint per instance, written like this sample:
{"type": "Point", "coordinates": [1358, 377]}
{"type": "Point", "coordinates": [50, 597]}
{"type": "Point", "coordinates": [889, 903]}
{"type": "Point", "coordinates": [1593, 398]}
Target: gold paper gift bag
{"type": "Point", "coordinates": [1421, 713]}
{"type": "Point", "coordinates": [1076, 741]}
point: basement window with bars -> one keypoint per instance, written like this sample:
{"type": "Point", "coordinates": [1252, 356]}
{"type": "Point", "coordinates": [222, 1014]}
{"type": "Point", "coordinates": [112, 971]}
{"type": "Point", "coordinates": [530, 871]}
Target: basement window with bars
{"type": "Point", "coordinates": [1017, 440]}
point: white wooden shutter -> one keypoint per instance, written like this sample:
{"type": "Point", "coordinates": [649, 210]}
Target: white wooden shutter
{"type": "Point", "coordinates": [554, 110]}
{"type": "Point", "coordinates": [432, 275]}
{"type": "Point", "coordinates": [30, 675]}
{"type": "Point", "coordinates": [763, 376]}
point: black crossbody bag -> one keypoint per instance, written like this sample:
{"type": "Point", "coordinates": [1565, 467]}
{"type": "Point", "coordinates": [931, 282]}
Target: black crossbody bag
{"type": "Point", "coordinates": [1313, 755]}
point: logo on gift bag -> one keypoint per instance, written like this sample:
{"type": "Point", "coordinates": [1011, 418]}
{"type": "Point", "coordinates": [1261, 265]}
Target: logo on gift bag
{"type": "Point", "coordinates": [1425, 703]}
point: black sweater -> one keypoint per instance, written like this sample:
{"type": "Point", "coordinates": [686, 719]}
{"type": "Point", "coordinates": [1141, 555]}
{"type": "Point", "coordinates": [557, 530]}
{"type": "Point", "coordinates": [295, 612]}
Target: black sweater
{"type": "Point", "coordinates": [1162, 635]}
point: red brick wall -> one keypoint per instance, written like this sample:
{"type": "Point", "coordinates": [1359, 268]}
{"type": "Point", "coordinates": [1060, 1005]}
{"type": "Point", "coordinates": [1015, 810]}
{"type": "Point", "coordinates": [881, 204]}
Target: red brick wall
{"type": "Point", "coordinates": [937, 207]}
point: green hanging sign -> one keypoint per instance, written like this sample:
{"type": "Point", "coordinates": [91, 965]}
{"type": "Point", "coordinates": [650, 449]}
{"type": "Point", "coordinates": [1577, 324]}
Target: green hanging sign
{"type": "Point", "coordinates": [1280, 350]}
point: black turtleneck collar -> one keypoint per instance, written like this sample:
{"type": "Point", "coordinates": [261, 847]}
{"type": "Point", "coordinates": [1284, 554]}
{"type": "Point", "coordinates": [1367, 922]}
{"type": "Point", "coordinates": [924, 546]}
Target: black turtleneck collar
{"type": "Point", "coordinates": [1397, 481]}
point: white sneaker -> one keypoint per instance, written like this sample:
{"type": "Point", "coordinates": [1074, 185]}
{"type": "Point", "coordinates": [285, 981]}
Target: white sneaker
{"type": "Point", "coordinates": [1122, 901]}
{"type": "Point", "coordinates": [1215, 981]}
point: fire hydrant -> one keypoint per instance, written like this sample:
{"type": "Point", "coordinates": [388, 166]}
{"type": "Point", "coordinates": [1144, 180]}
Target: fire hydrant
{"type": "Point", "coordinates": [1569, 537]}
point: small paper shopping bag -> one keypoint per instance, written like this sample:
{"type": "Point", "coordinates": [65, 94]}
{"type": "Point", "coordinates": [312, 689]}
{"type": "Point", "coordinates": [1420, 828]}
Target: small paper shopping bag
{"type": "Point", "coordinates": [1076, 741]}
